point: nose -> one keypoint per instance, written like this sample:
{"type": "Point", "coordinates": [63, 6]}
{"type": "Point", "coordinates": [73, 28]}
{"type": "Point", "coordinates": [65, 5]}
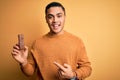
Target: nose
{"type": "Point", "coordinates": [55, 19]}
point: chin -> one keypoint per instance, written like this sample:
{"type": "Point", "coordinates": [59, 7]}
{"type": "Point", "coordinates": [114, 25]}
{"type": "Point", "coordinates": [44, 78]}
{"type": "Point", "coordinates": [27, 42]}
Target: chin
{"type": "Point", "coordinates": [56, 31]}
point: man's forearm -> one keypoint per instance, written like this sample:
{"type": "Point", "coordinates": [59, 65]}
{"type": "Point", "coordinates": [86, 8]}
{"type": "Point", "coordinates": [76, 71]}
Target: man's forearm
{"type": "Point", "coordinates": [28, 69]}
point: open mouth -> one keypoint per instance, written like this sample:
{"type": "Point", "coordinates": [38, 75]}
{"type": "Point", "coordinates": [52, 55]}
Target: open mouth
{"type": "Point", "coordinates": [56, 26]}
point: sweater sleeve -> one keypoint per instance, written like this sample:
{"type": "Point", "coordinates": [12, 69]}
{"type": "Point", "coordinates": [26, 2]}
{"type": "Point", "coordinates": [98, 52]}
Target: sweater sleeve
{"type": "Point", "coordinates": [29, 68]}
{"type": "Point", "coordinates": [83, 64]}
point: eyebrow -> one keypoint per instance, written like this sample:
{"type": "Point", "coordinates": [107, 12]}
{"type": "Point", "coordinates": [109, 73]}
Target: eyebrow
{"type": "Point", "coordinates": [53, 15]}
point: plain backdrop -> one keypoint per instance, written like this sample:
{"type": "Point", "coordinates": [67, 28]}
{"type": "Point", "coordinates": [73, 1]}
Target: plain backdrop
{"type": "Point", "coordinates": [96, 22]}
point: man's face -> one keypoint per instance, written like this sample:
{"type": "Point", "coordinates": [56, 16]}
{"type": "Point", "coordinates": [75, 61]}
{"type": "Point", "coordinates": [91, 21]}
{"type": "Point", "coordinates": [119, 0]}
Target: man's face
{"type": "Point", "coordinates": [55, 18]}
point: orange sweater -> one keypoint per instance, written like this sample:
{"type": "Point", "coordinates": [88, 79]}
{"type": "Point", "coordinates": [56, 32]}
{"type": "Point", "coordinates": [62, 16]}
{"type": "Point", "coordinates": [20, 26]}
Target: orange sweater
{"type": "Point", "coordinates": [64, 48]}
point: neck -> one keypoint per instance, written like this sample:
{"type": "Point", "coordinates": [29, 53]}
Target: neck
{"type": "Point", "coordinates": [55, 34]}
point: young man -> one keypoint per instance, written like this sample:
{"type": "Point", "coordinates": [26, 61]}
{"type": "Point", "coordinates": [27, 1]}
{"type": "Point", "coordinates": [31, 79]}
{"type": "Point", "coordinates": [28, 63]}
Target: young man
{"type": "Point", "coordinates": [58, 55]}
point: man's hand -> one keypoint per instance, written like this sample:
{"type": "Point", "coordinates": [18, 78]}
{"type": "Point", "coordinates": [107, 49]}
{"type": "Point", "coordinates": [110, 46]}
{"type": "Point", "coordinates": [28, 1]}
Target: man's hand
{"type": "Point", "coordinates": [20, 55]}
{"type": "Point", "coordinates": [65, 71]}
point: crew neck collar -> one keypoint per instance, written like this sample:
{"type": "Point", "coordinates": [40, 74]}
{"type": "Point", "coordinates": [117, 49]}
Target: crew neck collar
{"type": "Point", "coordinates": [55, 35]}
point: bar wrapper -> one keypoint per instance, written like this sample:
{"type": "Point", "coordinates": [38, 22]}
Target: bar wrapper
{"type": "Point", "coordinates": [21, 41]}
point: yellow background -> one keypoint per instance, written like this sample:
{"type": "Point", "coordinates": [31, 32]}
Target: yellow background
{"type": "Point", "coordinates": [97, 22]}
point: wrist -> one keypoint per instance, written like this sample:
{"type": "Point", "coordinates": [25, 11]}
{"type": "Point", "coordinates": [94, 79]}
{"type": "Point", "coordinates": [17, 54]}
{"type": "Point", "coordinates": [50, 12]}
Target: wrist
{"type": "Point", "coordinates": [24, 63]}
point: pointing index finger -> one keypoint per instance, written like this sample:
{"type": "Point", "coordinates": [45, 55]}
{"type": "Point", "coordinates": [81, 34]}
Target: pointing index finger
{"type": "Point", "coordinates": [59, 66]}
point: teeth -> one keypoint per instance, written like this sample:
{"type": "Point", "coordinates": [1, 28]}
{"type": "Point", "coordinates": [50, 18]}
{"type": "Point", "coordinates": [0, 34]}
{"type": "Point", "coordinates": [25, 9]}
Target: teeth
{"type": "Point", "coordinates": [56, 25]}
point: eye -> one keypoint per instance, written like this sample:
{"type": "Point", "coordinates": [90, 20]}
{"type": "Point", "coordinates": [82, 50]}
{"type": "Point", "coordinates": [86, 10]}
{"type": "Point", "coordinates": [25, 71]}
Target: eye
{"type": "Point", "coordinates": [49, 17]}
{"type": "Point", "coordinates": [59, 16]}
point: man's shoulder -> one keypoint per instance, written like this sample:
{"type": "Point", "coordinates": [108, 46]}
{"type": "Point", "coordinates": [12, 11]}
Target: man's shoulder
{"type": "Point", "coordinates": [73, 36]}
{"type": "Point", "coordinates": [41, 37]}
{"type": "Point", "coordinates": [75, 39]}
{"type": "Point", "coordinates": [39, 41]}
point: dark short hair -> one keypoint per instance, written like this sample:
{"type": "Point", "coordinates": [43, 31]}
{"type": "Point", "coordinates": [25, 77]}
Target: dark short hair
{"type": "Point", "coordinates": [54, 4]}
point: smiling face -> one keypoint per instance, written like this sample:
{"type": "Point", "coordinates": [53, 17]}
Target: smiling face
{"type": "Point", "coordinates": [55, 17]}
